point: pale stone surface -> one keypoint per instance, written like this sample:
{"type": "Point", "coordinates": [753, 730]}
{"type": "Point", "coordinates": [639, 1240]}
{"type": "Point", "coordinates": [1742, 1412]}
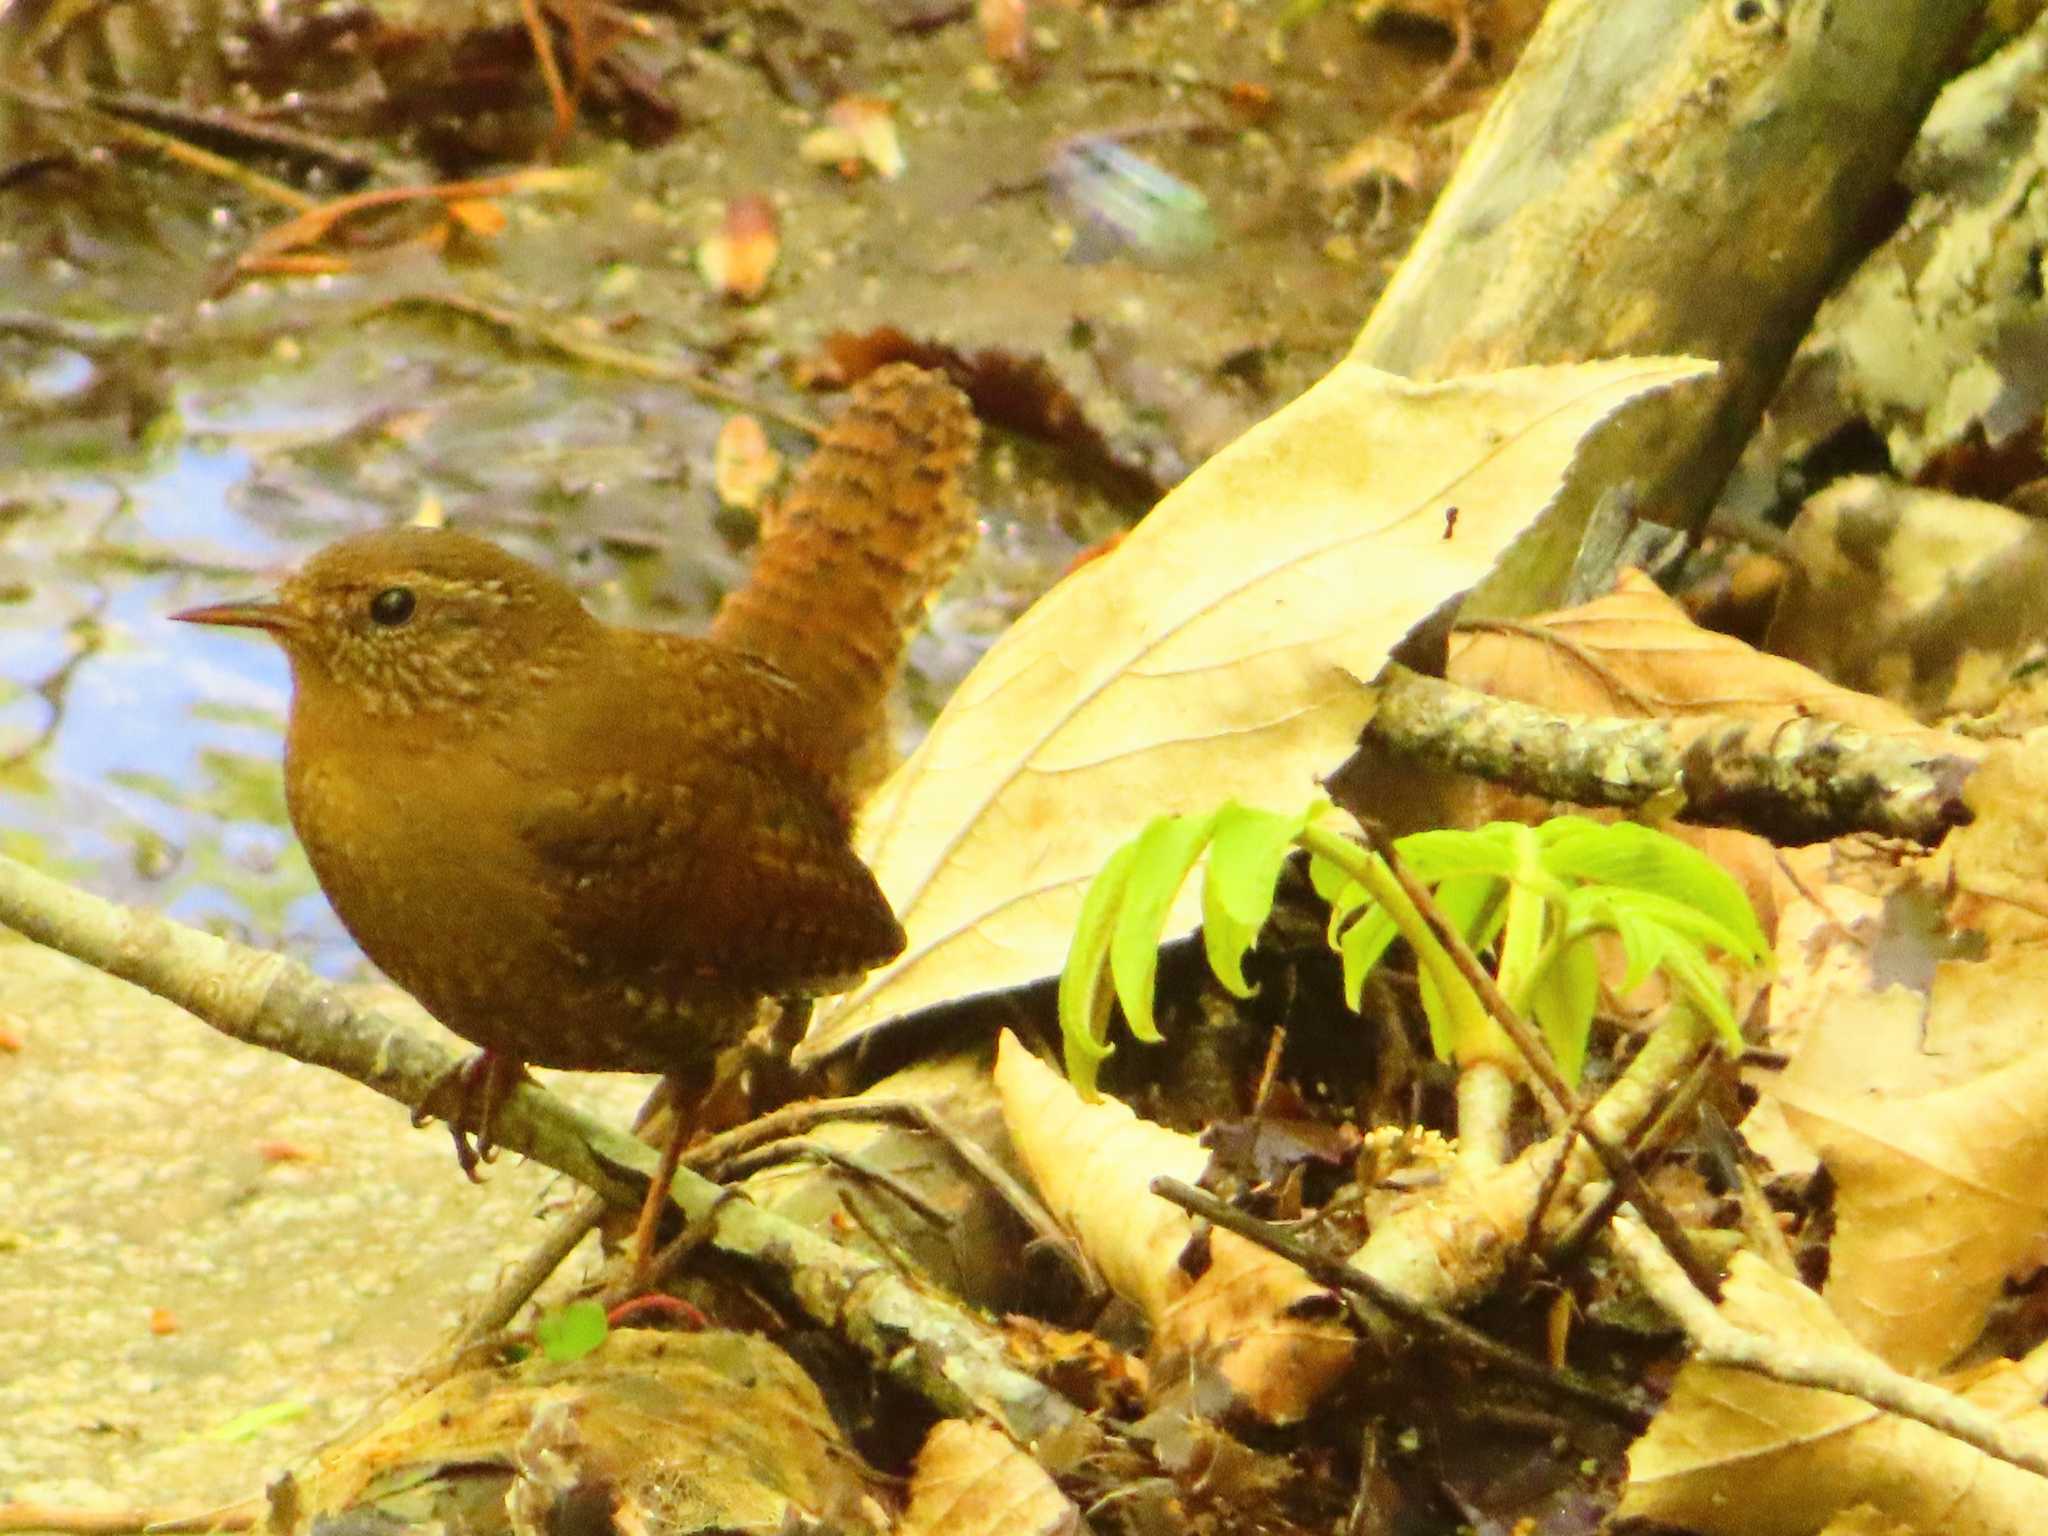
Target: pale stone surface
{"type": "Point", "coordinates": [133, 1176]}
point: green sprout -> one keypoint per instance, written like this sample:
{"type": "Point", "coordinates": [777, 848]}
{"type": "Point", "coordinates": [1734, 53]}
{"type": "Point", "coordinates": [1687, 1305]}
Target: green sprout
{"type": "Point", "coordinates": [571, 1332]}
{"type": "Point", "coordinates": [1534, 897]}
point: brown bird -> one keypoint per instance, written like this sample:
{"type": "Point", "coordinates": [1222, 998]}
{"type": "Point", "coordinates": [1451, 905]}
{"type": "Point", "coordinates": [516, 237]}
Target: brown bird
{"type": "Point", "coordinates": [601, 848]}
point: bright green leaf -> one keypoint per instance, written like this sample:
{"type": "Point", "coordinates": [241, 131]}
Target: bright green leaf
{"type": "Point", "coordinates": [1164, 853]}
{"type": "Point", "coordinates": [1246, 852]}
{"type": "Point", "coordinates": [1226, 942]}
{"type": "Point", "coordinates": [1443, 1025]}
{"type": "Point", "coordinates": [1563, 1000]}
{"type": "Point", "coordinates": [1361, 947]}
{"type": "Point", "coordinates": [1347, 902]}
{"type": "Point", "coordinates": [1642, 943]}
{"type": "Point", "coordinates": [1329, 880]}
{"type": "Point", "coordinates": [571, 1332]}
{"type": "Point", "coordinates": [1702, 985]}
{"type": "Point", "coordinates": [1473, 905]}
{"type": "Point", "coordinates": [1245, 857]}
{"type": "Point", "coordinates": [1524, 917]}
{"type": "Point", "coordinates": [1638, 858]}
{"type": "Point", "coordinates": [1698, 929]}
{"type": "Point", "coordinates": [1437, 855]}
{"type": "Point", "coordinates": [1085, 994]}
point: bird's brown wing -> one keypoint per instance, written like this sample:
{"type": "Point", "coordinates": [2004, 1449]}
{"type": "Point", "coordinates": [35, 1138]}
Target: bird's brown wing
{"type": "Point", "coordinates": [728, 871]}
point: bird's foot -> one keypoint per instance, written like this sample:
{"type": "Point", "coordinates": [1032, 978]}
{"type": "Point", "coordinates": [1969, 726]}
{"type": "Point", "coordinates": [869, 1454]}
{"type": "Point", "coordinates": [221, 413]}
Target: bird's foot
{"type": "Point", "coordinates": [478, 1085]}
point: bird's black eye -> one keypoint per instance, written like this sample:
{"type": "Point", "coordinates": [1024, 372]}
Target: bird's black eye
{"type": "Point", "coordinates": [392, 607]}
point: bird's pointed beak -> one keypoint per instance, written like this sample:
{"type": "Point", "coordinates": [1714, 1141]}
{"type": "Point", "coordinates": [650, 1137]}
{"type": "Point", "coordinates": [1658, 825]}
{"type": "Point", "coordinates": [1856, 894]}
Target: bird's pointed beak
{"type": "Point", "coordinates": [271, 616]}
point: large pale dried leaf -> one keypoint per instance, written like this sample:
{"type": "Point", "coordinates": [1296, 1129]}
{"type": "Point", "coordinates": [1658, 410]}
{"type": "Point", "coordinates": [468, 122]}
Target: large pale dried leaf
{"type": "Point", "coordinates": [1732, 1454]}
{"type": "Point", "coordinates": [1217, 651]}
{"type": "Point", "coordinates": [1832, 903]}
{"type": "Point", "coordinates": [1636, 654]}
{"type": "Point", "coordinates": [1995, 863]}
{"type": "Point", "coordinates": [1257, 1319]}
{"type": "Point", "coordinates": [970, 1480]}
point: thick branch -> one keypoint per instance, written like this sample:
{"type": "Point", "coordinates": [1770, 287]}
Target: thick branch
{"type": "Point", "coordinates": [1800, 781]}
{"type": "Point", "coordinates": [1452, 1332]}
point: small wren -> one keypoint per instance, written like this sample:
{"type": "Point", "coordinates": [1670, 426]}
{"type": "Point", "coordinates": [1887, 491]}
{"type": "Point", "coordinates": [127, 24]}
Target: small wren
{"type": "Point", "coordinates": [602, 848]}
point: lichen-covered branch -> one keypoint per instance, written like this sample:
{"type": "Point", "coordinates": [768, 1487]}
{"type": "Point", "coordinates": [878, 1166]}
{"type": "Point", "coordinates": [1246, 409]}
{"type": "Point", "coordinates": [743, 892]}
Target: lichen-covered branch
{"type": "Point", "coordinates": [1797, 781]}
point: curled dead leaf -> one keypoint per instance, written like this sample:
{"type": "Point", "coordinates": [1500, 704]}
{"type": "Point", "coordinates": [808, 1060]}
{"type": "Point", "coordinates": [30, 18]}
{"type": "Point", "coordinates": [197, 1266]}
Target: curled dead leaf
{"type": "Point", "coordinates": [1093, 1165]}
{"type": "Point", "coordinates": [1272, 1333]}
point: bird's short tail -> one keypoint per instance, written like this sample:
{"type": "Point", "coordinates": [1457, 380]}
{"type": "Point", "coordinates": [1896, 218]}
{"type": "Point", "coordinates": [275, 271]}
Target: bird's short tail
{"type": "Point", "coordinates": [875, 523]}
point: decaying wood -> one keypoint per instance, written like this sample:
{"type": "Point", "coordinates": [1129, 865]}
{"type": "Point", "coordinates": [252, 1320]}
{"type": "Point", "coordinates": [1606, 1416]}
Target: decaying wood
{"type": "Point", "coordinates": [1669, 177]}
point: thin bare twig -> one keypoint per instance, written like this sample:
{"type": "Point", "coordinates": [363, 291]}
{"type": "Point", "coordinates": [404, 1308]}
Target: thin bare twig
{"type": "Point", "coordinates": [793, 1148]}
{"type": "Point", "coordinates": [168, 145]}
{"type": "Point", "coordinates": [620, 359]}
{"type": "Point", "coordinates": [518, 1284]}
{"type": "Point", "coordinates": [1824, 1367]}
{"type": "Point", "coordinates": [1658, 1124]}
{"type": "Point", "coordinates": [1426, 1320]}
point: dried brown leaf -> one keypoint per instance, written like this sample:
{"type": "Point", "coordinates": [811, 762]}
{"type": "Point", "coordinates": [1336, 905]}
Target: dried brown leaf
{"type": "Point", "coordinates": [1275, 1335]}
{"type": "Point", "coordinates": [1636, 654]}
{"type": "Point", "coordinates": [1938, 1198]}
{"type": "Point", "coordinates": [971, 1480]}
{"type": "Point", "coordinates": [1919, 1070]}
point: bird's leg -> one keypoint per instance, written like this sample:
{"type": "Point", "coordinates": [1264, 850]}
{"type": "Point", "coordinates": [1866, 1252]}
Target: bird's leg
{"type": "Point", "coordinates": [482, 1081]}
{"type": "Point", "coordinates": [647, 1231]}
{"type": "Point", "coordinates": [765, 1051]}
{"type": "Point", "coordinates": [501, 1074]}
